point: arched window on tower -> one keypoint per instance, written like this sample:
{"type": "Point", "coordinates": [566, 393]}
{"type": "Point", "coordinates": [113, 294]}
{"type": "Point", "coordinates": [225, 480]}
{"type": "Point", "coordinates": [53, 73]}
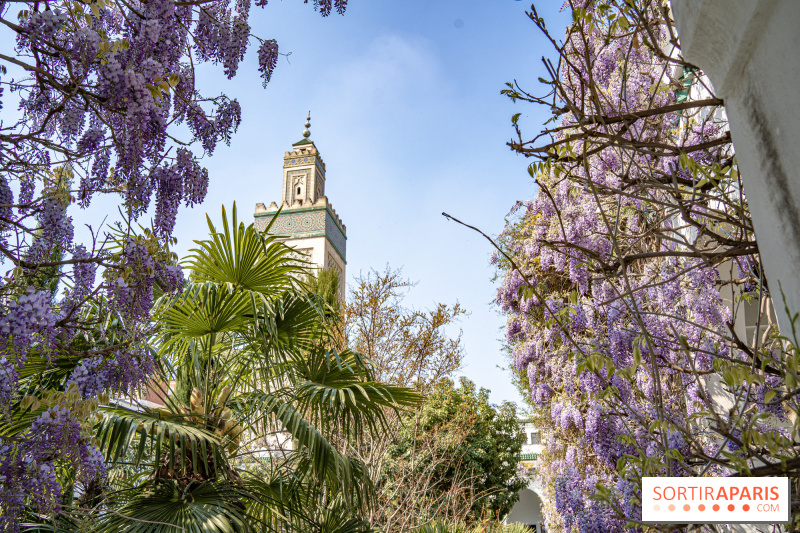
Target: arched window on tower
{"type": "Point", "coordinates": [299, 189]}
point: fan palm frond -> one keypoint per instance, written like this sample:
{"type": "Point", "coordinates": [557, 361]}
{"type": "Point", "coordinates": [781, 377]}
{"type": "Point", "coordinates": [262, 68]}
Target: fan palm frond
{"type": "Point", "coordinates": [244, 258]}
{"type": "Point", "coordinates": [168, 507]}
{"type": "Point", "coordinates": [333, 391]}
{"type": "Point", "coordinates": [177, 436]}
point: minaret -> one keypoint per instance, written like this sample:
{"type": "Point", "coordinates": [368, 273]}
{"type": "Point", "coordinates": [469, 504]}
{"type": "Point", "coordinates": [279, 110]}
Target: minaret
{"type": "Point", "coordinates": [307, 221]}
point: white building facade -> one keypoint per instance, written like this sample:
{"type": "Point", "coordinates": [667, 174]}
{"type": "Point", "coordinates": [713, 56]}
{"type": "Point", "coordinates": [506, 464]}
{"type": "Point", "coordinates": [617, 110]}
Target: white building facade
{"type": "Point", "coordinates": [528, 510]}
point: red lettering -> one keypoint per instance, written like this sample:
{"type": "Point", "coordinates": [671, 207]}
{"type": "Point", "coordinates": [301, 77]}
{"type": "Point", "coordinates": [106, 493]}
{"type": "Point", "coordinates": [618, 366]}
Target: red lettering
{"type": "Point", "coordinates": [657, 490]}
{"type": "Point", "coordinates": [757, 493]}
{"type": "Point", "coordinates": [734, 492]}
{"type": "Point", "coordinates": [709, 494]}
{"type": "Point", "coordinates": [693, 491]}
{"type": "Point", "coordinates": [681, 493]}
{"type": "Point", "coordinates": [774, 492]}
{"type": "Point", "coordinates": [745, 494]}
{"type": "Point", "coordinates": [665, 493]}
{"type": "Point", "coordinates": [721, 494]}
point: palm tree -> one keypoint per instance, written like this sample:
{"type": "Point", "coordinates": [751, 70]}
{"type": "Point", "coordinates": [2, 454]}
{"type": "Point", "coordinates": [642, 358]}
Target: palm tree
{"type": "Point", "coordinates": [245, 440]}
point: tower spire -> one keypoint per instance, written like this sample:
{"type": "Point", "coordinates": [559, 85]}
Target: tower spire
{"type": "Point", "coordinates": [307, 221]}
{"type": "Point", "coordinates": [307, 132]}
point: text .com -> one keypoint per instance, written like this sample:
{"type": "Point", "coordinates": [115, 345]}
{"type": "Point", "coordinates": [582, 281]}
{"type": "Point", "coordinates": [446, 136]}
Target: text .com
{"type": "Point", "coordinates": [718, 500]}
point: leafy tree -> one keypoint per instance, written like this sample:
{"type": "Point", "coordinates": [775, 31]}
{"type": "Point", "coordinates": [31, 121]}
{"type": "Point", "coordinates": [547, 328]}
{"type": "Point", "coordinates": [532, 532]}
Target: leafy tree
{"type": "Point", "coordinates": [465, 450]}
{"type": "Point", "coordinates": [409, 347]}
{"type": "Point", "coordinates": [325, 284]}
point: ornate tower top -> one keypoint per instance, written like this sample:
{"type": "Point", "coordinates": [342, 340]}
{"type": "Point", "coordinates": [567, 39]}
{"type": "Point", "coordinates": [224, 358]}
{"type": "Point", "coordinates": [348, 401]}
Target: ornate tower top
{"type": "Point", "coordinates": [307, 221]}
{"type": "Point", "coordinates": [307, 132]}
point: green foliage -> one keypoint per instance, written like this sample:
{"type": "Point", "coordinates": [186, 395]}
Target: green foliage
{"type": "Point", "coordinates": [249, 352]}
{"type": "Point", "coordinates": [325, 284]}
{"type": "Point", "coordinates": [481, 441]}
{"type": "Point", "coordinates": [441, 526]}
{"type": "Point", "coordinates": [213, 507]}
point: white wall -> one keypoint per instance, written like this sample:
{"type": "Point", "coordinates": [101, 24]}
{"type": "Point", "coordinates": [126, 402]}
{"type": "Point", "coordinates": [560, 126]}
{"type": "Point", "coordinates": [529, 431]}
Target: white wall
{"type": "Point", "coordinates": [749, 50]}
{"type": "Point", "coordinates": [528, 510]}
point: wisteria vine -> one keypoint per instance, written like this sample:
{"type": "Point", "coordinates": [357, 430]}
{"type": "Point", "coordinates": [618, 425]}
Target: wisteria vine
{"type": "Point", "coordinates": [101, 88]}
{"type": "Point", "coordinates": [639, 315]}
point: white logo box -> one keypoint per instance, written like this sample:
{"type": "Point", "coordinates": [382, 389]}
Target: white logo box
{"type": "Point", "coordinates": [716, 500]}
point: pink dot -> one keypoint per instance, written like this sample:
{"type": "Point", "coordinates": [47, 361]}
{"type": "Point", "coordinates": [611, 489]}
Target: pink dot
{"type": "Point", "coordinates": [687, 507]}
{"type": "Point", "coordinates": [701, 507]}
{"type": "Point", "coordinates": [716, 507]}
{"type": "Point", "coordinates": [656, 507]}
{"type": "Point", "coordinates": [671, 507]}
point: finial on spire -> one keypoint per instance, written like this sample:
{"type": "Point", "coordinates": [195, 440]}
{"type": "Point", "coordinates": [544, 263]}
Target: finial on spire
{"type": "Point", "coordinates": [307, 132]}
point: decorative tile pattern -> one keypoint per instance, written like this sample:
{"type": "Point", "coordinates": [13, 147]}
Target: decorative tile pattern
{"type": "Point", "coordinates": [318, 221]}
{"type": "Point", "coordinates": [335, 235]}
{"type": "Point", "coordinates": [290, 162]}
{"type": "Point", "coordinates": [293, 223]}
{"type": "Point", "coordinates": [261, 222]}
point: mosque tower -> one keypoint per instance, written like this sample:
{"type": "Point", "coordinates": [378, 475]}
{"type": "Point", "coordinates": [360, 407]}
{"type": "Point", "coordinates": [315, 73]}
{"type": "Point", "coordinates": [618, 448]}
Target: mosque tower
{"type": "Point", "coordinates": [307, 220]}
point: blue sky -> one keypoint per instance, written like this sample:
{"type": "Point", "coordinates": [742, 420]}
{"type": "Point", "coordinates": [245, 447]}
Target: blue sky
{"type": "Point", "coordinates": [407, 113]}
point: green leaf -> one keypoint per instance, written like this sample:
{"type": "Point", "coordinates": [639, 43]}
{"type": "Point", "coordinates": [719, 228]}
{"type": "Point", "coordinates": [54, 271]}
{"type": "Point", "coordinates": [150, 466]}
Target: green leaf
{"type": "Point", "coordinates": [119, 427]}
{"type": "Point", "coordinates": [210, 507]}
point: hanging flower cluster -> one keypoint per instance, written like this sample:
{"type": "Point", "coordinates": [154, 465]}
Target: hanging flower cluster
{"type": "Point", "coordinates": [627, 278]}
{"type": "Point", "coordinates": [101, 88]}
